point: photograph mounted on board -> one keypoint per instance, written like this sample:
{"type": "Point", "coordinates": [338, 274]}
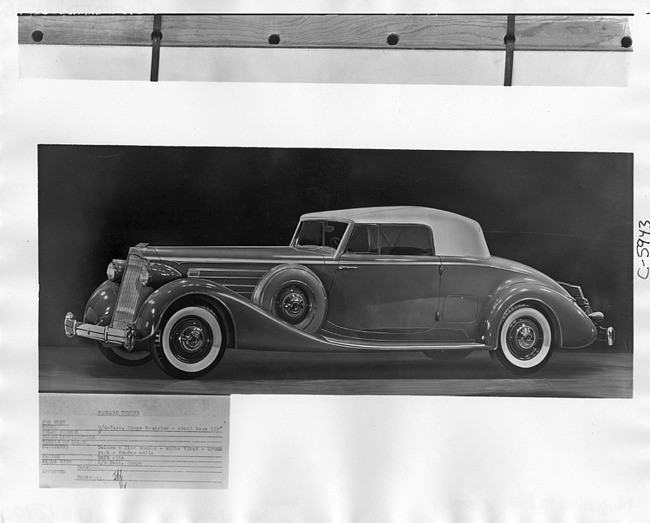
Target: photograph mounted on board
{"type": "Point", "coordinates": [335, 271]}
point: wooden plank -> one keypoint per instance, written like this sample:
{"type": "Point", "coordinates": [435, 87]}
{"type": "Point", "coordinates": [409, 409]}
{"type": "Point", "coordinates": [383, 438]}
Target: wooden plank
{"type": "Point", "coordinates": [572, 33]}
{"type": "Point", "coordinates": [337, 31]}
{"type": "Point", "coordinates": [296, 31]}
{"type": "Point", "coordinates": [414, 31]}
{"type": "Point", "coordinates": [127, 30]}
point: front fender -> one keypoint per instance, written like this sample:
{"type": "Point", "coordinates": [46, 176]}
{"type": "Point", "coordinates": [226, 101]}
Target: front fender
{"type": "Point", "coordinates": [101, 304]}
{"type": "Point", "coordinates": [571, 326]}
{"type": "Point", "coordinates": [252, 327]}
{"type": "Point", "coordinates": [154, 308]}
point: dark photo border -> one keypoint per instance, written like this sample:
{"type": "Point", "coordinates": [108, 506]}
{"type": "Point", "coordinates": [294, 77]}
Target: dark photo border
{"type": "Point", "coordinates": [567, 214]}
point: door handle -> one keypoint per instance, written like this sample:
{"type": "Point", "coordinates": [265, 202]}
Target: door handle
{"type": "Point", "coordinates": [347, 267]}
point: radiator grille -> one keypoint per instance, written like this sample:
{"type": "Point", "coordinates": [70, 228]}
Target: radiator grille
{"type": "Point", "coordinates": [129, 293]}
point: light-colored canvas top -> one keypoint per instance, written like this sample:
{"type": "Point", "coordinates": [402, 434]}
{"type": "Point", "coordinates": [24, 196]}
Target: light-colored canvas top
{"type": "Point", "coordinates": [453, 234]}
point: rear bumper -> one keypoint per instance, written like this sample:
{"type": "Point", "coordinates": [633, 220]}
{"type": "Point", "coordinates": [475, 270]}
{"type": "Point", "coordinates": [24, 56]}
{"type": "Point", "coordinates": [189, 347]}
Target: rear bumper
{"type": "Point", "coordinates": [97, 332]}
{"type": "Point", "coordinates": [606, 334]}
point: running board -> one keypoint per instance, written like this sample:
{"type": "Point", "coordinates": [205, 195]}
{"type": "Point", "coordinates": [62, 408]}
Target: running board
{"type": "Point", "coordinates": [418, 347]}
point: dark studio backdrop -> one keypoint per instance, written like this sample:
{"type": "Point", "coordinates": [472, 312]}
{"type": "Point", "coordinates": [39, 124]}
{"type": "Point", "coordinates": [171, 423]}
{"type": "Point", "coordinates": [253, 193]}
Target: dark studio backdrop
{"type": "Point", "coordinates": [566, 214]}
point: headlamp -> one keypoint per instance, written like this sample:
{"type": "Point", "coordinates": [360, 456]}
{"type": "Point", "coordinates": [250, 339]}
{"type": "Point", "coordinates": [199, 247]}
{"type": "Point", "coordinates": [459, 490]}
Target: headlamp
{"type": "Point", "coordinates": [115, 270]}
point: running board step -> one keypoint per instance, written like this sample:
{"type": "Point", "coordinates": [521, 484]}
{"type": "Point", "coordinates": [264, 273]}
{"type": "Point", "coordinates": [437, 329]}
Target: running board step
{"type": "Point", "coordinates": [418, 347]}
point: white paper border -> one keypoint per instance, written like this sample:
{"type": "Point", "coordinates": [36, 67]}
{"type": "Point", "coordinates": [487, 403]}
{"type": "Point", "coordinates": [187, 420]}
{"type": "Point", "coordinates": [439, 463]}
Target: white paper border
{"type": "Point", "coordinates": [340, 458]}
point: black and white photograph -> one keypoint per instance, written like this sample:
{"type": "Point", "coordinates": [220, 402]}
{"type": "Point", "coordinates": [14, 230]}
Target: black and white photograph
{"type": "Point", "coordinates": [330, 271]}
{"type": "Point", "coordinates": [326, 262]}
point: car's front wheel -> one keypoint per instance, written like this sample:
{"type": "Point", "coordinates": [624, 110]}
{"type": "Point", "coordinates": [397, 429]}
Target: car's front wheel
{"type": "Point", "coordinates": [122, 356]}
{"type": "Point", "coordinates": [190, 342]}
{"type": "Point", "coordinates": [525, 341]}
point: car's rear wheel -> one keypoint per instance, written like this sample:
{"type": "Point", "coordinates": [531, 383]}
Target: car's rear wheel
{"type": "Point", "coordinates": [190, 342]}
{"type": "Point", "coordinates": [525, 341]}
{"type": "Point", "coordinates": [121, 356]}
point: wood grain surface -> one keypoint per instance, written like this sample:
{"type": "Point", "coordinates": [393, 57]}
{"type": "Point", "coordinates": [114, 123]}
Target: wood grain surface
{"type": "Point", "coordinates": [571, 33]}
{"type": "Point", "coordinates": [410, 31]}
{"type": "Point", "coordinates": [120, 30]}
{"type": "Point", "coordinates": [337, 31]}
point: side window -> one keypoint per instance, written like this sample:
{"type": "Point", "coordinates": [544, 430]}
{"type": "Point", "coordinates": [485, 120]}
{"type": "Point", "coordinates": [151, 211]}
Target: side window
{"type": "Point", "coordinates": [392, 240]}
{"type": "Point", "coordinates": [364, 240]}
{"type": "Point", "coordinates": [406, 240]}
{"type": "Point", "coordinates": [334, 231]}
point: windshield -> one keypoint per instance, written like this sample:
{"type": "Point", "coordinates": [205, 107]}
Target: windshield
{"type": "Point", "coordinates": [320, 233]}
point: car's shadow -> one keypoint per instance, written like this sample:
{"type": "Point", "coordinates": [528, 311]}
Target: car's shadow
{"type": "Point", "coordinates": [568, 374]}
{"type": "Point", "coordinates": [249, 365]}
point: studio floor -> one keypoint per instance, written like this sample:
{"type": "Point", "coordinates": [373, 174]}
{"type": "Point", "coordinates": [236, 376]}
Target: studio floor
{"type": "Point", "coordinates": [583, 374]}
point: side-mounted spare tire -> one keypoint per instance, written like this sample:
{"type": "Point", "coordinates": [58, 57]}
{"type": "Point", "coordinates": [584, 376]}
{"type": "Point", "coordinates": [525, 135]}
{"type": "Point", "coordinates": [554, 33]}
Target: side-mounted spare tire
{"type": "Point", "coordinates": [294, 294]}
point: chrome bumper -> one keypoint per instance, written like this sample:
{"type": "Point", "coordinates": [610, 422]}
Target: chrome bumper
{"type": "Point", "coordinates": [96, 332]}
{"type": "Point", "coordinates": [606, 334]}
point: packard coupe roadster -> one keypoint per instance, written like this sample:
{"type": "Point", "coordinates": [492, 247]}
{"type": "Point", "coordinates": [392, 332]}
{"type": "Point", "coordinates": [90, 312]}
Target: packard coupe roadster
{"type": "Point", "coordinates": [368, 279]}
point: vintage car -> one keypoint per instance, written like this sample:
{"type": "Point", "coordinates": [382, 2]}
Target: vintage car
{"type": "Point", "coordinates": [368, 279]}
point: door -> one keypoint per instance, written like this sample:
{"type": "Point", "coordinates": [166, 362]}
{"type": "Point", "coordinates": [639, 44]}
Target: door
{"type": "Point", "coordinates": [387, 280]}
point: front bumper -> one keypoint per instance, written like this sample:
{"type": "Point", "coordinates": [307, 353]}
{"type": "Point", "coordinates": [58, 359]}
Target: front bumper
{"type": "Point", "coordinates": [104, 334]}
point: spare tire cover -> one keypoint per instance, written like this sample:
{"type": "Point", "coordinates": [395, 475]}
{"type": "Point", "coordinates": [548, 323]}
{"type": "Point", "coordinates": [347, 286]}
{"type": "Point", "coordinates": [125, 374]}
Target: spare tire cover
{"type": "Point", "coordinates": [294, 294]}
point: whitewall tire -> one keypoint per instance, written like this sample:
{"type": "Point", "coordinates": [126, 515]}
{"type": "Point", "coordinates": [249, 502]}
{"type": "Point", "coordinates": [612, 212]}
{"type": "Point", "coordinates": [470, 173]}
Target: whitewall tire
{"type": "Point", "coordinates": [525, 340]}
{"type": "Point", "coordinates": [190, 342]}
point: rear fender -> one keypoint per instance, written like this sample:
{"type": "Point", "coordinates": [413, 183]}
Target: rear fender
{"type": "Point", "coordinates": [548, 300]}
{"type": "Point", "coordinates": [572, 328]}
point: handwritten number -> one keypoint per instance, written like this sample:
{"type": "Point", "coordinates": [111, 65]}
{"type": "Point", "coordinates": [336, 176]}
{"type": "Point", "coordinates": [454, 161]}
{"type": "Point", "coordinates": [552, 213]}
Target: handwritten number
{"type": "Point", "coordinates": [117, 476]}
{"type": "Point", "coordinates": [641, 250]}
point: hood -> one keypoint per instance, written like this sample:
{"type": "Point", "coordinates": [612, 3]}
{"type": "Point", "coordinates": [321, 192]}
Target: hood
{"type": "Point", "coordinates": [282, 254]}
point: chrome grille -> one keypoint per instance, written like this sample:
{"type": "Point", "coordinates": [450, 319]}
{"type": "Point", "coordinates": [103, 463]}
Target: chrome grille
{"type": "Point", "coordinates": [129, 293]}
